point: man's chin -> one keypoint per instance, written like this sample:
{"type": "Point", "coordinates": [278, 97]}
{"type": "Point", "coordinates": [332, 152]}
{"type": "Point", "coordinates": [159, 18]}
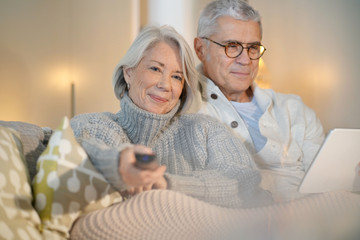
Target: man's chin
{"type": "Point", "coordinates": [241, 86]}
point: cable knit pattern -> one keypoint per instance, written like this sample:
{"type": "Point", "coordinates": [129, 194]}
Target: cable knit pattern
{"type": "Point", "coordinates": [164, 214]}
{"type": "Point", "coordinates": [204, 160]}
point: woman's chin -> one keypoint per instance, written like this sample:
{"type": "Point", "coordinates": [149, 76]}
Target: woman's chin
{"type": "Point", "coordinates": [156, 109]}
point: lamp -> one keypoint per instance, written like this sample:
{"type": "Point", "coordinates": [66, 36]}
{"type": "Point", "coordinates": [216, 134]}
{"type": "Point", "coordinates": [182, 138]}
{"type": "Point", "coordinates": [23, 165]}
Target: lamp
{"type": "Point", "coordinates": [263, 77]}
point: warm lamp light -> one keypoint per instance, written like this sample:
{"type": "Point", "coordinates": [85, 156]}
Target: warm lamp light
{"type": "Point", "coordinates": [263, 77]}
{"type": "Point", "coordinates": [62, 77]}
{"type": "Point", "coordinates": [59, 77]}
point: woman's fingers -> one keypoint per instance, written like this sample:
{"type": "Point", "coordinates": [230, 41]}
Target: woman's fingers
{"type": "Point", "coordinates": [135, 190]}
{"type": "Point", "coordinates": [158, 173]}
{"type": "Point", "coordinates": [135, 177]}
{"type": "Point", "coordinates": [161, 184]}
{"type": "Point", "coordinates": [138, 180]}
{"type": "Point", "coordinates": [142, 149]}
{"type": "Point", "coordinates": [138, 190]}
{"type": "Point", "coordinates": [131, 191]}
{"type": "Point", "coordinates": [147, 187]}
{"type": "Point", "coordinates": [149, 177]}
{"type": "Point", "coordinates": [146, 180]}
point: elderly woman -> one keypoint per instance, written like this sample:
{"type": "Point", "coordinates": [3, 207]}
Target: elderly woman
{"type": "Point", "coordinates": [156, 81]}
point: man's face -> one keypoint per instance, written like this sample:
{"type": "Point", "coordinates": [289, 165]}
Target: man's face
{"type": "Point", "coordinates": [232, 75]}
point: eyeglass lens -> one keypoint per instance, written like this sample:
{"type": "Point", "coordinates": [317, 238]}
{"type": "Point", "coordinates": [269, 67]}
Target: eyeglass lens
{"type": "Point", "coordinates": [234, 50]}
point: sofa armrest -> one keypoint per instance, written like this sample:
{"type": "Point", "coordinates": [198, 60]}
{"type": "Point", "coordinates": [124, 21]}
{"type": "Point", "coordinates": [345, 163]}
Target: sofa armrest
{"type": "Point", "coordinates": [34, 140]}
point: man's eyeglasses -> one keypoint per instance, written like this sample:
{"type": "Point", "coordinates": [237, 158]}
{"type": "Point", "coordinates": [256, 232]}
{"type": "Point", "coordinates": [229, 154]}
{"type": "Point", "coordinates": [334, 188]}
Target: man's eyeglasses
{"type": "Point", "coordinates": [234, 49]}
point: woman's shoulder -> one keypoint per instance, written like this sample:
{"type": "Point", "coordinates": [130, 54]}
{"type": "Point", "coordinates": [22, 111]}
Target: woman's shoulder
{"type": "Point", "coordinates": [97, 119]}
{"type": "Point", "coordinates": [102, 125]}
{"type": "Point", "coordinates": [200, 120]}
{"type": "Point", "coordinates": [94, 117]}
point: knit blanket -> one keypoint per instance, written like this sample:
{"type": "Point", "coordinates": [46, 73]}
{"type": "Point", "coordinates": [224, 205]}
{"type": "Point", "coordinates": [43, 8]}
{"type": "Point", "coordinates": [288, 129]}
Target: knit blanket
{"type": "Point", "coordinates": [165, 214]}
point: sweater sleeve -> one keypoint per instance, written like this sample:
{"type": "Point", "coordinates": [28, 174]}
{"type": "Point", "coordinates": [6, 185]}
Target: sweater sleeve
{"type": "Point", "coordinates": [226, 174]}
{"type": "Point", "coordinates": [102, 144]}
{"type": "Point", "coordinates": [314, 137]}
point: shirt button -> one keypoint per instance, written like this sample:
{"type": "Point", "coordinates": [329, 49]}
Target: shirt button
{"type": "Point", "coordinates": [234, 124]}
{"type": "Point", "coordinates": [213, 96]}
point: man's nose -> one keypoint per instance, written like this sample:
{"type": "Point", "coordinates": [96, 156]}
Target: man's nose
{"type": "Point", "coordinates": [243, 58]}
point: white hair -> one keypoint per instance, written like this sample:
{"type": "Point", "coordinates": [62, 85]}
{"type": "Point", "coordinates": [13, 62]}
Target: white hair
{"type": "Point", "coordinates": [147, 39]}
{"type": "Point", "coordinates": [237, 9]}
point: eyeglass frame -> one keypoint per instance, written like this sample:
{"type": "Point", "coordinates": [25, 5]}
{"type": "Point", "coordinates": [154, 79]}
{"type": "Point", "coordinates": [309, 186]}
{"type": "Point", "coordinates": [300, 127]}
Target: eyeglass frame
{"type": "Point", "coordinates": [237, 43]}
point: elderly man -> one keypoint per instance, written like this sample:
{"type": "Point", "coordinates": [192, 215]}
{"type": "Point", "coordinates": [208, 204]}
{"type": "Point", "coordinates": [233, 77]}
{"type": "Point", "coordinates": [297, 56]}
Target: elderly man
{"type": "Point", "coordinates": [280, 132]}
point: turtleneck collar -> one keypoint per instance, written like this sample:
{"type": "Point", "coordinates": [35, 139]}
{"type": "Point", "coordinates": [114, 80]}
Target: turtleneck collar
{"type": "Point", "coordinates": [140, 125]}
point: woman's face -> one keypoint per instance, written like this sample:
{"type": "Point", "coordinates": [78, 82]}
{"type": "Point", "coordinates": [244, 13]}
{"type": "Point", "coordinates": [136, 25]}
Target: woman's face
{"type": "Point", "coordinates": [157, 81]}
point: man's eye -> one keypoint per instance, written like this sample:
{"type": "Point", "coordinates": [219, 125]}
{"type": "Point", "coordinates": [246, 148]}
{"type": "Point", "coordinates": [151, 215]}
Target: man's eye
{"type": "Point", "coordinates": [254, 47]}
{"type": "Point", "coordinates": [232, 45]}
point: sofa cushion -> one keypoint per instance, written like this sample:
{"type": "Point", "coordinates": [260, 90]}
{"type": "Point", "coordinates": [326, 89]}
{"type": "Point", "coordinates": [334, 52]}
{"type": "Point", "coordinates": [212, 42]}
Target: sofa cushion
{"type": "Point", "coordinates": [66, 184]}
{"type": "Point", "coordinates": [33, 139]}
{"type": "Point", "coordinates": [18, 219]}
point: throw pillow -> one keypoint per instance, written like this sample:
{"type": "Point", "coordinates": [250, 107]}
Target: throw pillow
{"type": "Point", "coordinates": [18, 219]}
{"type": "Point", "coordinates": [67, 184]}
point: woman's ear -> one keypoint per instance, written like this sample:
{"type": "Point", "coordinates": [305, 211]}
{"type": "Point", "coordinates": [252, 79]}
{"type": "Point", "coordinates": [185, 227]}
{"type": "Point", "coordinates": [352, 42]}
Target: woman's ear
{"type": "Point", "coordinates": [127, 74]}
{"type": "Point", "coordinates": [199, 48]}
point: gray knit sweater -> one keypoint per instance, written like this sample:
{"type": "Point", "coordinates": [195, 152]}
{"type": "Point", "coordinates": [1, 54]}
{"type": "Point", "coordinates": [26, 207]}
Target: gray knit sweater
{"type": "Point", "coordinates": [203, 159]}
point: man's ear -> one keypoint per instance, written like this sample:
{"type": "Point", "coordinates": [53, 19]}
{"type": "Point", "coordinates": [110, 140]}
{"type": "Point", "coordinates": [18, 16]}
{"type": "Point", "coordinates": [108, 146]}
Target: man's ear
{"type": "Point", "coordinates": [200, 48]}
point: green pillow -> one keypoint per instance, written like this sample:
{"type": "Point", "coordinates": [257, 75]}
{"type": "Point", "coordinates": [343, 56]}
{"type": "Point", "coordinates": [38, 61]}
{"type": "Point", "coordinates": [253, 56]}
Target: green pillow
{"type": "Point", "coordinates": [66, 184]}
{"type": "Point", "coordinates": [18, 218]}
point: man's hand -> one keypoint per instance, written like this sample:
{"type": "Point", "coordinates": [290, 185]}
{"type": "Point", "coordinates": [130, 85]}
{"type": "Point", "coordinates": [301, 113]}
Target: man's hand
{"type": "Point", "coordinates": [140, 180]}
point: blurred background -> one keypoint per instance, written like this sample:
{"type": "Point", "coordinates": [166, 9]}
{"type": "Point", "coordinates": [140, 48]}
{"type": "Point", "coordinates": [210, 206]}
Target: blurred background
{"type": "Point", "coordinates": [57, 57]}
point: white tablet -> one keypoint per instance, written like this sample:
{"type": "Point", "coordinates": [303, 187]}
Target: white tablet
{"type": "Point", "coordinates": [336, 165]}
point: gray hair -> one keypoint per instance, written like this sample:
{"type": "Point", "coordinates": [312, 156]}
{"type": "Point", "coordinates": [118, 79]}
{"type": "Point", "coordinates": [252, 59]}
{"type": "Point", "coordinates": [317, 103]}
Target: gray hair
{"type": "Point", "coordinates": [147, 39]}
{"type": "Point", "coordinates": [237, 9]}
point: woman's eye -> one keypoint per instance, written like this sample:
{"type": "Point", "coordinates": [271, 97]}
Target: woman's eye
{"type": "Point", "coordinates": [180, 78]}
{"type": "Point", "coordinates": [156, 69]}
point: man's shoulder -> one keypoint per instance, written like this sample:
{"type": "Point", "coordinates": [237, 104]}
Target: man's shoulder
{"type": "Point", "coordinates": [280, 98]}
{"type": "Point", "coordinates": [289, 103]}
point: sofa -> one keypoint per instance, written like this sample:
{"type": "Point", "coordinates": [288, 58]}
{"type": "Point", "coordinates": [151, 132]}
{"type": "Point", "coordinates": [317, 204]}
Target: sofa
{"type": "Point", "coordinates": [47, 183]}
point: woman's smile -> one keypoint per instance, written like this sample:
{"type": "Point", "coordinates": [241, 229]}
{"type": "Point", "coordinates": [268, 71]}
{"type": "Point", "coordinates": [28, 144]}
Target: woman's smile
{"type": "Point", "coordinates": [158, 98]}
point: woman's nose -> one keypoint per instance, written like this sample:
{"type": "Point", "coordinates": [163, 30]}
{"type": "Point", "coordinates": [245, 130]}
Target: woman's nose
{"type": "Point", "coordinates": [164, 83]}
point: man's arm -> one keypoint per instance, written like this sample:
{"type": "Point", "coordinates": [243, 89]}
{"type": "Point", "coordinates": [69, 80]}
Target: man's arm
{"type": "Point", "coordinates": [314, 137]}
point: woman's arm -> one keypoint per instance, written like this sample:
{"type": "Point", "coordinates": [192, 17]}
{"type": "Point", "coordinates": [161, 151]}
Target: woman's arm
{"type": "Point", "coordinates": [224, 172]}
{"type": "Point", "coordinates": [111, 153]}
{"type": "Point", "coordinates": [101, 143]}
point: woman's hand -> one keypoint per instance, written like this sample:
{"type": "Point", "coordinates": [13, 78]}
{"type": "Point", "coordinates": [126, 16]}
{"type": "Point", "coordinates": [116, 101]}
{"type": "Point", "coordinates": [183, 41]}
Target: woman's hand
{"type": "Point", "coordinates": [137, 179]}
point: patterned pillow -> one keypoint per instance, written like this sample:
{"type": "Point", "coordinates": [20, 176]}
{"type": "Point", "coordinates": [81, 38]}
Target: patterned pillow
{"type": "Point", "coordinates": [18, 219]}
{"type": "Point", "coordinates": [66, 184]}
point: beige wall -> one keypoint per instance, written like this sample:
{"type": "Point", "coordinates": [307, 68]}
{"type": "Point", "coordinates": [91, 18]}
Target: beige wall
{"type": "Point", "coordinates": [313, 51]}
{"type": "Point", "coordinates": [46, 45]}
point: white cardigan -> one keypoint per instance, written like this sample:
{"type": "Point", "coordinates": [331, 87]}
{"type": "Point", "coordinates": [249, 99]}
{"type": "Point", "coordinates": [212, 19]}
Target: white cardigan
{"type": "Point", "coordinates": [294, 135]}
